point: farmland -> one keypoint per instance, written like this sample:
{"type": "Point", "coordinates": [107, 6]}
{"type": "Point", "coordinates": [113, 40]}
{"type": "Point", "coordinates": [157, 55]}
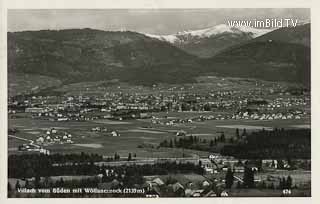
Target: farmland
{"type": "Point", "coordinates": [133, 133]}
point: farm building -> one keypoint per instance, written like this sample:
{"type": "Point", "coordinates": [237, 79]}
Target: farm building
{"type": "Point", "coordinates": [34, 110]}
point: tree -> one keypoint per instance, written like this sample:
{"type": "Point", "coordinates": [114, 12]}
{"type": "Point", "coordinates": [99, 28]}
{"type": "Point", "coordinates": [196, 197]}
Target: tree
{"type": "Point", "coordinates": [248, 177]}
{"type": "Point", "coordinates": [223, 138]}
{"type": "Point", "coordinates": [17, 185]}
{"type": "Point", "coordinates": [27, 185]}
{"type": "Point", "coordinates": [211, 143]}
{"type": "Point", "coordinates": [263, 185]}
{"type": "Point", "coordinates": [170, 144]}
{"type": "Point", "coordinates": [129, 157]}
{"type": "Point", "coordinates": [61, 182]}
{"type": "Point", "coordinates": [283, 183]}
{"type": "Point", "coordinates": [271, 186]}
{"type": "Point", "coordinates": [237, 133]}
{"type": "Point", "coordinates": [238, 184]}
{"type": "Point", "coordinates": [289, 182]}
{"type": "Point", "coordinates": [229, 178]}
{"type": "Point", "coordinates": [37, 181]}
{"type": "Point", "coordinates": [244, 133]}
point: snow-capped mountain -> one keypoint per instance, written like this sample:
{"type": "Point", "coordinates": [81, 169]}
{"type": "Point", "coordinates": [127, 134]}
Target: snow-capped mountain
{"type": "Point", "coordinates": [169, 38]}
{"type": "Point", "coordinates": [207, 42]}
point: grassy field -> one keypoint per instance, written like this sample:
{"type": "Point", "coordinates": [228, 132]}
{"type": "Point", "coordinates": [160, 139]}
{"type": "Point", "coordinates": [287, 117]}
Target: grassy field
{"type": "Point", "coordinates": [133, 133]}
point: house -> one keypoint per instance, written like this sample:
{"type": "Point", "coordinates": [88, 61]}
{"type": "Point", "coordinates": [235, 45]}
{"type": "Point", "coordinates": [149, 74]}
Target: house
{"type": "Point", "coordinates": [40, 140]}
{"type": "Point", "coordinates": [34, 110]}
{"type": "Point", "coordinates": [178, 189]}
{"type": "Point", "coordinates": [211, 193]}
{"type": "Point", "coordinates": [153, 192]}
{"type": "Point", "coordinates": [115, 183]}
{"type": "Point", "coordinates": [238, 168]}
{"type": "Point", "coordinates": [144, 115]}
{"type": "Point", "coordinates": [158, 181]}
{"type": "Point", "coordinates": [269, 163]}
{"type": "Point", "coordinates": [208, 166]}
{"type": "Point", "coordinates": [115, 134]}
{"type": "Point", "coordinates": [197, 193]}
{"type": "Point", "coordinates": [105, 185]}
{"type": "Point", "coordinates": [224, 194]}
{"type": "Point", "coordinates": [62, 119]}
{"type": "Point", "coordinates": [181, 133]}
{"type": "Point", "coordinates": [205, 184]}
{"type": "Point", "coordinates": [53, 131]}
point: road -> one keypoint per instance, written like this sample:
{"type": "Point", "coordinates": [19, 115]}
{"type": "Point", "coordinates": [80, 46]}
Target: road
{"type": "Point", "coordinates": [31, 142]}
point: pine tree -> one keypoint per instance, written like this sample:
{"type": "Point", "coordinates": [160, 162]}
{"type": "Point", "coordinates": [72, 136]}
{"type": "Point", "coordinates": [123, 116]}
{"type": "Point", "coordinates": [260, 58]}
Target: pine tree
{"type": "Point", "coordinates": [165, 143]}
{"type": "Point", "coordinates": [283, 183]}
{"type": "Point", "coordinates": [289, 182]}
{"type": "Point", "coordinates": [248, 177]}
{"type": "Point", "coordinates": [237, 133]}
{"type": "Point", "coordinates": [17, 185]}
{"type": "Point", "coordinates": [211, 143]}
{"type": "Point", "coordinates": [27, 185]}
{"type": "Point", "coordinates": [61, 183]}
{"type": "Point", "coordinates": [238, 184]}
{"type": "Point", "coordinates": [244, 133]}
{"type": "Point", "coordinates": [170, 144]}
{"type": "Point", "coordinates": [229, 178]}
{"type": "Point", "coordinates": [37, 181]}
{"type": "Point", "coordinates": [223, 139]}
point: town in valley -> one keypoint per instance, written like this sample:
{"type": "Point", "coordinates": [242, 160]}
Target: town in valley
{"type": "Point", "coordinates": [214, 111]}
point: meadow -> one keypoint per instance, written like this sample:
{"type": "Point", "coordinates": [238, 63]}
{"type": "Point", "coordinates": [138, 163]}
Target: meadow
{"type": "Point", "coordinates": [135, 133]}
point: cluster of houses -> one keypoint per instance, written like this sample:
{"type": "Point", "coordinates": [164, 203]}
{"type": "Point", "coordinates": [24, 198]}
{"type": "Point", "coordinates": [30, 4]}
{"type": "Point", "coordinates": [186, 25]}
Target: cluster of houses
{"type": "Point", "coordinates": [286, 102]}
{"type": "Point", "coordinates": [181, 186]}
{"type": "Point", "coordinates": [112, 133]}
{"type": "Point", "coordinates": [118, 105]}
{"type": "Point", "coordinates": [297, 115]}
{"type": "Point", "coordinates": [33, 148]}
{"type": "Point", "coordinates": [52, 136]}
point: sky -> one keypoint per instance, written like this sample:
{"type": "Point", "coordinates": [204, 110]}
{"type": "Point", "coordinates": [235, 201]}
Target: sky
{"type": "Point", "coordinates": [153, 21]}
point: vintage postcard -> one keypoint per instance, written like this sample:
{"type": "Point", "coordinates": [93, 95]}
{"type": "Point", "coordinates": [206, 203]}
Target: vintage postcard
{"type": "Point", "coordinates": [158, 103]}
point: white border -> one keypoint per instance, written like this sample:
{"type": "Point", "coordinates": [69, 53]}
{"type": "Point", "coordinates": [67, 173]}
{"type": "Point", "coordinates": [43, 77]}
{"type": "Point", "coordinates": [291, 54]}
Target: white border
{"type": "Point", "coordinates": [155, 4]}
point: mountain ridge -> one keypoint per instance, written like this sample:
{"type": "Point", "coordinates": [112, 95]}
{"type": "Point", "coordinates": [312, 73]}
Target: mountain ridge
{"type": "Point", "coordinates": [207, 42]}
{"type": "Point", "coordinates": [75, 55]}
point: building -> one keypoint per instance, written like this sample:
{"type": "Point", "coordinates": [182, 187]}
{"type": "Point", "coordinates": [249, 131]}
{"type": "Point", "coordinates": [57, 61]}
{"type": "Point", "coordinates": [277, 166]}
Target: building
{"type": "Point", "coordinates": [34, 110]}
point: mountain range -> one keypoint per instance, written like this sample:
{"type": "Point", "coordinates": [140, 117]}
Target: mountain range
{"type": "Point", "coordinates": [208, 42]}
{"type": "Point", "coordinates": [76, 55]}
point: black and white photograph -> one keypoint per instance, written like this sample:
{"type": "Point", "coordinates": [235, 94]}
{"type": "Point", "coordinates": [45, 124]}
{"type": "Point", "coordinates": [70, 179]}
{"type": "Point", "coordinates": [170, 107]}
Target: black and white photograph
{"type": "Point", "coordinates": [158, 103]}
